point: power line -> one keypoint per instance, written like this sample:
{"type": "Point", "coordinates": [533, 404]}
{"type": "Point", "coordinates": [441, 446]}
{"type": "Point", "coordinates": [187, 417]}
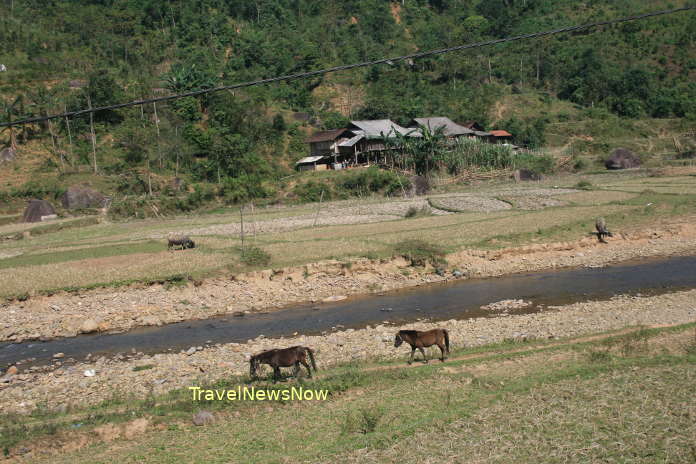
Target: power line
{"type": "Point", "coordinates": [318, 72]}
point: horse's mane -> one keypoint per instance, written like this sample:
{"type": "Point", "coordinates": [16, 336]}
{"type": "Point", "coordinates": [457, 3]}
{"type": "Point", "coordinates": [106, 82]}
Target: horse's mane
{"type": "Point", "coordinates": [408, 332]}
{"type": "Point", "coordinates": [264, 353]}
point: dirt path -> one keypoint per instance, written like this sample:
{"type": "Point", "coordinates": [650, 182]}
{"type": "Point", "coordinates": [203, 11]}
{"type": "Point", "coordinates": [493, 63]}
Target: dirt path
{"type": "Point", "coordinates": [522, 349]}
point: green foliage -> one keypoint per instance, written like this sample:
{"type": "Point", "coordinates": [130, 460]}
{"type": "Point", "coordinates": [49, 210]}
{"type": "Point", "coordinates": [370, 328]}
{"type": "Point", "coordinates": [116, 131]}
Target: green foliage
{"type": "Point", "coordinates": [475, 154]}
{"type": "Point", "coordinates": [243, 188]}
{"type": "Point", "coordinates": [584, 185]}
{"type": "Point", "coordinates": [312, 191]}
{"type": "Point", "coordinates": [131, 50]}
{"type": "Point", "coordinates": [364, 421]}
{"type": "Point", "coordinates": [537, 163]}
{"type": "Point", "coordinates": [373, 180]}
{"type": "Point", "coordinates": [255, 256]}
{"type": "Point", "coordinates": [143, 368]}
{"type": "Point", "coordinates": [38, 189]}
{"type": "Point", "coordinates": [354, 183]}
{"type": "Point", "coordinates": [527, 133]}
{"type": "Point", "coordinates": [420, 252]}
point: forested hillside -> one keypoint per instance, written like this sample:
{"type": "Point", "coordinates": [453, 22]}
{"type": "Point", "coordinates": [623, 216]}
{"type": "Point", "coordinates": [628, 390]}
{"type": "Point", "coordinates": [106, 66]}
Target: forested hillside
{"type": "Point", "coordinates": [67, 55]}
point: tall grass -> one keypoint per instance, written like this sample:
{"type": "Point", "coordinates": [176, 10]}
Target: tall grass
{"type": "Point", "coordinates": [472, 153]}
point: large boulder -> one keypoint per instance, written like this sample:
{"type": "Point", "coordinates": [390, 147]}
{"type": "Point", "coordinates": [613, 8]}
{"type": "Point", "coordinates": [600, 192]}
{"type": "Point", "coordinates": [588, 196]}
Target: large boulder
{"type": "Point", "coordinates": [38, 210]}
{"type": "Point", "coordinates": [622, 158]}
{"type": "Point", "coordinates": [82, 196]}
{"type": "Point", "coordinates": [526, 174]}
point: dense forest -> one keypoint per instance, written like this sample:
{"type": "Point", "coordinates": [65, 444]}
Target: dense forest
{"type": "Point", "coordinates": [68, 55]}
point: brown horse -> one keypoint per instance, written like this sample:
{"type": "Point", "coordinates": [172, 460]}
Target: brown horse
{"type": "Point", "coordinates": [286, 357]}
{"type": "Point", "coordinates": [420, 340]}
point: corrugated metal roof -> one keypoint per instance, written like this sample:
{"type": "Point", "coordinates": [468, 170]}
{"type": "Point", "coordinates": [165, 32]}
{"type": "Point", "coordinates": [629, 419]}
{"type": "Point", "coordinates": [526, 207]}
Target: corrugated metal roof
{"type": "Point", "coordinates": [352, 141]}
{"type": "Point", "coordinates": [309, 159]}
{"type": "Point", "coordinates": [482, 133]}
{"type": "Point", "coordinates": [501, 133]}
{"type": "Point", "coordinates": [449, 127]}
{"type": "Point", "coordinates": [326, 136]}
{"type": "Point", "coordinates": [382, 128]}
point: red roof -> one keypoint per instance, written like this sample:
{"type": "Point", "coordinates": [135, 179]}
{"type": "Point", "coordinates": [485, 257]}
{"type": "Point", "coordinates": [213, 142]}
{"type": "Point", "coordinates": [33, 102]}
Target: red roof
{"type": "Point", "coordinates": [500, 133]}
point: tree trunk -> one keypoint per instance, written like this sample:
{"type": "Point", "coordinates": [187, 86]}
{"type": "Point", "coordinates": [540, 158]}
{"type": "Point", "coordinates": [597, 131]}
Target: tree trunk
{"type": "Point", "coordinates": [53, 142]}
{"type": "Point", "coordinates": [67, 125]}
{"type": "Point", "coordinates": [241, 221]}
{"type": "Point", "coordinates": [176, 138]}
{"type": "Point", "coordinates": [94, 136]}
{"type": "Point", "coordinates": [159, 148]}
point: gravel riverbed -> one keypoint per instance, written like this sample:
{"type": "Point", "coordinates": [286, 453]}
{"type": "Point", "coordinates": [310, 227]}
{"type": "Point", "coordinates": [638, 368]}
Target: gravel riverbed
{"type": "Point", "coordinates": [109, 310]}
{"type": "Point", "coordinates": [96, 380]}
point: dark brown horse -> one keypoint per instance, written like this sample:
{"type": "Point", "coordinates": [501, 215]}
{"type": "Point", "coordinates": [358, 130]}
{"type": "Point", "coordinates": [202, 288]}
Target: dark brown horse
{"type": "Point", "coordinates": [420, 340]}
{"type": "Point", "coordinates": [286, 357]}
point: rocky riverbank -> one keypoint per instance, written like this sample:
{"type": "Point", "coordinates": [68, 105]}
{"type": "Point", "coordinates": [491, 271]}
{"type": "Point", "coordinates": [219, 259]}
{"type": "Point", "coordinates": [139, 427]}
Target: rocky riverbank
{"type": "Point", "coordinates": [105, 310]}
{"type": "Point", "coordinates": [96, 380]}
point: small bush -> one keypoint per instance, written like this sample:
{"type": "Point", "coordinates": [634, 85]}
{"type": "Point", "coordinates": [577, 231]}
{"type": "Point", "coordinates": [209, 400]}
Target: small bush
{"type": "Point", "coordinates": [364, 421]}
{"type": "Point", "coordinates": [584, 185]}
{"type": "Point", "coordinates": [579, 164]}
{"type": "Point", "coordinates": [374, 180]}
{"type": "Point", "coordinates": [540, 164]}
{"type": "Point", "coordinates": [420, 252]}
{"type": "Point", "coordinates": [599, 356]}
{"type": "Point", "coordinates": [255, 256]}
{"type": "Point", "coordinates": [311, 191]}
{"type": "Point", "coordinates": [414, 212]}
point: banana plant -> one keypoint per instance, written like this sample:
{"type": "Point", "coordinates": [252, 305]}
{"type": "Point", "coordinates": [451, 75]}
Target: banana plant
{"type": "Point", "coordinates": [9, 110]}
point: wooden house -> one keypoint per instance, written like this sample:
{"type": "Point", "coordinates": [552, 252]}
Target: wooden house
{"type": "Point", "coordinates": [370, 139]}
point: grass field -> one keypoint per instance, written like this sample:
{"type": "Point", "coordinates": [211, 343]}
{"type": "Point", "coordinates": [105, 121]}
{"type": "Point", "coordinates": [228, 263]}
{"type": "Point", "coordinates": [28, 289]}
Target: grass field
{"type": "Point", "coordinates": [82, 253]}
{"type": "Point", "coordinates": [615, 397]}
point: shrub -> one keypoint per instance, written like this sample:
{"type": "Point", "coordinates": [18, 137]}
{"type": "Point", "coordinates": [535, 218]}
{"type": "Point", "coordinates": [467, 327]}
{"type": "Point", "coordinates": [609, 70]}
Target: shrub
{"type": "Point", "coordinates": [363, 421]}
{"type": "Point", "coordinates": [373, 180]}
{"type": "Point", "coordinates": [414, 212]}
{"type": "Point", "coordinates": [39, 189]}
{"type": "Point", "coordinates": [243, 188]}
{"type": "Point", "coordinates": [420, 252]}
{"type": "Point", "coordinates": [311, 191]}
{"type": "Point", "coordinates": [579, 164]}
{"type": "Point", "coordinates": [255, 256]}
{"type": "Point", "coordinates": [584, 185]}
{"type": "Point", "coordinates": [540, 164]}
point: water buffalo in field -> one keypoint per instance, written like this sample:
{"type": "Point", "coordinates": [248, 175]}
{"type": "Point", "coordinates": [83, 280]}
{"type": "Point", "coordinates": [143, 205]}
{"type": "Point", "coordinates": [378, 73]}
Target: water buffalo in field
{"type": "Point", "coordinates": [183, 242]}
{"type": "Point", "coordinates": [602, 231]}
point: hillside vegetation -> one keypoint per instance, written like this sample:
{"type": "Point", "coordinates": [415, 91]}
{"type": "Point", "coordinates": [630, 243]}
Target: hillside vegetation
{"type": "Point", "coordinates": [579, 94]}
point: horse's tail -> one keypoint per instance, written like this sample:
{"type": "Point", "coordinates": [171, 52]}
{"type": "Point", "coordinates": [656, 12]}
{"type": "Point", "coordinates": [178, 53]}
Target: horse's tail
{"type": "Point", "coordinates": [252, 367]}
{"type": "Point", "coordinates": [446, 340]}
{"type": "Point", "coordinates": [311, 357]}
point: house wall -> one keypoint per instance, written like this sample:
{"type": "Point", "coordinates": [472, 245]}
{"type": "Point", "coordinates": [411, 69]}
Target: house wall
{"type": "Point", "coordinates": [320, 148]}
